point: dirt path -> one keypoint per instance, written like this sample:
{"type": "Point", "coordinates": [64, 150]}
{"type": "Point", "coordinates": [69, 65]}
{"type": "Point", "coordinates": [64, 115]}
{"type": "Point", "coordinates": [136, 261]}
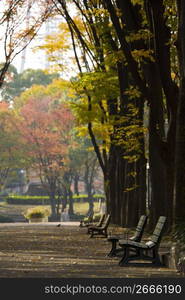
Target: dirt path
{"type": "Point", "coordinates": [48, 251]}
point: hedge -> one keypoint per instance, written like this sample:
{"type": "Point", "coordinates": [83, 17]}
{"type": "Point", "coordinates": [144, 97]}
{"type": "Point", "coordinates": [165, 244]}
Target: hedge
{"type": "Point", "coordinates": [19, 199]}
{"type": "Point", "coordinates": [27, 200]}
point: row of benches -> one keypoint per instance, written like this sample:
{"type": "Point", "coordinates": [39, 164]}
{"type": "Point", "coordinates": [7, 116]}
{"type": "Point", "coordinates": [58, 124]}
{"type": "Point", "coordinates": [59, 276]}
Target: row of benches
{"type": "Point", "coordinates": [131, 248]}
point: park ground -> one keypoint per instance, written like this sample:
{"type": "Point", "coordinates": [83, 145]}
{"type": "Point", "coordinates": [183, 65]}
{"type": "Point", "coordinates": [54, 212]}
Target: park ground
{"type": "Point", "coordinates": [47, 251]}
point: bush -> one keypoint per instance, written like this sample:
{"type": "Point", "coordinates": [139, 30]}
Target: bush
{"type": "Point", "coordinates": [21, 199]}
{"type": "Point", "coordinates": [36, 212]}
{"type": "Point", "coordinates": [44, 200]}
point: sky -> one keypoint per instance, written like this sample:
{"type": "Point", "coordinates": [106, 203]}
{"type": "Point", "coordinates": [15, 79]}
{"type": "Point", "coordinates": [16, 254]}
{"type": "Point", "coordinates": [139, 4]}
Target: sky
{"type": "Point", "coordinates": [38, 59]}
{"type": "Point", "coordinates": [34, 59]}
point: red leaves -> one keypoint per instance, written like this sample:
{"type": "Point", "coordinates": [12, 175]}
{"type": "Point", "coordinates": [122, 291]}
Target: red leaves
{"type": "Point", "coordinates": [46, 131]}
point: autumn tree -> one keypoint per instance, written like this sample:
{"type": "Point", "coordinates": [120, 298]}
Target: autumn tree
{"type": "Point", "coordinates": [45, 124]}
{"type": "Point", "coordinates": [85, 168]}
{"type": "Point", "coordinates": [130, 49]}
{"type": "Point", "coordinates": [11, 156]}
{"type": "Point", "coordinates": [150, 65]}
{"type": "Point", "coordinates": [107, 115]}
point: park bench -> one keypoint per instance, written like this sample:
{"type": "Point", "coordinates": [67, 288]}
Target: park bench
{"type": "Point", "coordinates": [98, 224]}
{"type": "Point", "coordinates": [144, 251]}
{"type": "Point", "coordinates": [101, 230]}
{"type": "Point", "coordinates": [136, 237]}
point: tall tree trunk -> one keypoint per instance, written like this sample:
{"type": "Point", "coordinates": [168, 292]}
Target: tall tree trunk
{"type": "Point", "coordinates": [179, 190]}
{"type": "Point", "coordinates": [64, 199]}
{"type": "Point", "coordinates": [158, 182]}
{"type": "Point", "coordinates": [161, 45]}
{"type": "Point", "coordinates": [76, 181]}
{"type": "Point", "coordinates": [132, 205]}
{"type": "Point", "coordinates": [70, 198]}
{"type": "Point", "coordinates": [141, 185]}
{"type": "Point", "coordinates": [111, 184]}
{"type": "Point", "coordinates": [120, 216]}
{"type": "Point", "coordinates": [156, 133]}
{"type": "Point", "coordinates": [52, 203]}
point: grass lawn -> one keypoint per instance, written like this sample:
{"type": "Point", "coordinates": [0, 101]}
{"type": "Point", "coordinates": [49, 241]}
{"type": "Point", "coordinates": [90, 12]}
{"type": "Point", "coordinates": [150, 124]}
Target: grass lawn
{"type": "Point", "coordinates": [10, 212]}
{"type": "Point", "coordinates": [82, 208]}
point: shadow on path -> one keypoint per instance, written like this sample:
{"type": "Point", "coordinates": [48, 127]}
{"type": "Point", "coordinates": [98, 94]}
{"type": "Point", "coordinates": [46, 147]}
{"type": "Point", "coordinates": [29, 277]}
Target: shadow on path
{"type": "Point", "coordinates": [47, 251]}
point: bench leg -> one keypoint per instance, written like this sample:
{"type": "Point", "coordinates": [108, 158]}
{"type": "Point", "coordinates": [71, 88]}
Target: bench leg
{"type": "Point", "coordinates": [156, 259]}
{"type": "Point", "coordinates": [139, 255]}
{"type": "Point", "coordinates": [127, 257]}
{"type": "Point", "coordinates": [91, 233]}
{"type": "Point", "coordinates": [112, 251]}
{"type": "Point", "coordinates": [124, 259]}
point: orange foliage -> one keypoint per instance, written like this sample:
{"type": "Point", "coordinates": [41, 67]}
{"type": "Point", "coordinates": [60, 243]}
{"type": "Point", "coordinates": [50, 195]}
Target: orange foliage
{"type": "Point", "coordinates": [4, 106]}
{"type": "Point", "coordinates": [46, 132]}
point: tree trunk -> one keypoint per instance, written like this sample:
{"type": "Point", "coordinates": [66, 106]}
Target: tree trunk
{"type": "Point", "coordinates": [133, 205]}
{"type": "Point", "coordinates": [53, 203]}
{"type": "Point", "coordinates": [161, 46]}
{"type": "Point", "coordinates": [158, 182]}
{"type": "Point", "coordinates": [70, 198]}
{"type": "Point", "coordinates": [179, 189]}
{"type": "Point", "coordinates": [111, 184]}
{"type": "Point", "coordinates": [141, 185]}
{"type": "Point", "coordinates": [76, 180]}
{"type": "Point", "coordinates": [156, 134]}
{"type": "Point", "coordinates": [64, 199]}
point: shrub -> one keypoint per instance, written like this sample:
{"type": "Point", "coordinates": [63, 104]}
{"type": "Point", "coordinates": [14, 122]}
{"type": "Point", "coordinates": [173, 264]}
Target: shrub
{"type": "Point", "coordinates": [44, 200]}
{"type": "Point", "coordinates": [27, 200]}
{"type": "Point", "coordinates": [37, 212]}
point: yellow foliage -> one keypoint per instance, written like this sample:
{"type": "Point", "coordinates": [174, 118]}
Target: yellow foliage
{"type": "Point", "coordinates": [141, 54]}
{"type": "Point", "coordinates": [133, 92]}
{"type": "Point", "coordinates": [142, 34]}
{"type": "Point", "coordinates": [59, 88]}
{"type": "Point", "coordinates": [37, 212]}
{"type": "Point", "coordinates": [82, 131]}
{"type": "Point", "coordinates": [132, 188]}
{"type": "Point", "coordinates": [132, 174]}
{"type": "Point", "coordinates": [139, 2]}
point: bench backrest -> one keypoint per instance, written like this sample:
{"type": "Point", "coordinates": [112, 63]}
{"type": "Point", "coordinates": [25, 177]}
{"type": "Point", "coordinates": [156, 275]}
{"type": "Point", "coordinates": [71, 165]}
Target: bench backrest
{"type": "Point", "coordinates": [157, 234]}
{"type": "Point", "coordinates": [106, 222]}
{"type": "Point", "coordinates": [139, 229]}
{"type": "Point", "coordinates": [90, 217]}
{"type": "Point", "coordinates": [102, 218]}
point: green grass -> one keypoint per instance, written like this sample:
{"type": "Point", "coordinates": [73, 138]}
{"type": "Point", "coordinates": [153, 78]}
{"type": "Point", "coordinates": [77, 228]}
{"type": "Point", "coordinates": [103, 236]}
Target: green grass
{"type": "Point", "coordinates": [82, 208]}
{"type": "Point", "coordinates": [6, 210]}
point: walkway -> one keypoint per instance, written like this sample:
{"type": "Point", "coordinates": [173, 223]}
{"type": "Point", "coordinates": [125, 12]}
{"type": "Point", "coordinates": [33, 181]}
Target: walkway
{"type": "Point", "coordinates": [47, 251]}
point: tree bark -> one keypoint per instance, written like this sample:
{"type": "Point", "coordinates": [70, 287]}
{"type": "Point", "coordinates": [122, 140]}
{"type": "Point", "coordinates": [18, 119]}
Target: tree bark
{"type": "Point", "coordinates": [179, 189]}
{"type": "Point", "coordinates": [76, 181]}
